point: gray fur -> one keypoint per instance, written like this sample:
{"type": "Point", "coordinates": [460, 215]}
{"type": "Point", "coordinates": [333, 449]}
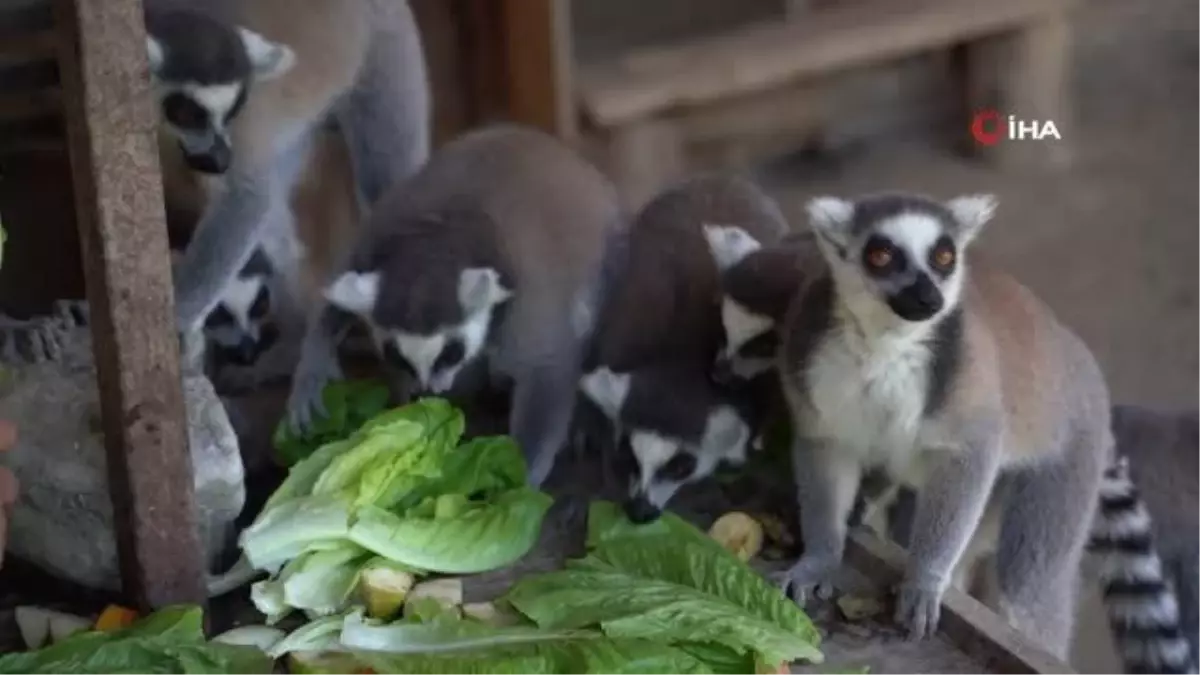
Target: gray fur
{"type": "Point", "coordinates": [498, 244]}
{"type": "Point", "coordinates": [364, 64]}
{"type": "Point", "coordinates": [661, 328]}
{"type": "Point", "coordinates": [1024, 410]}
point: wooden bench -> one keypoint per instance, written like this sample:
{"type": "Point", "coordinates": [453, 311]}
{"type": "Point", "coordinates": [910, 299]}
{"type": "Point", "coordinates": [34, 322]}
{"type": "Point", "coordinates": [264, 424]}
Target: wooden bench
{"type": "Point", "coordinates": [1008, 54]}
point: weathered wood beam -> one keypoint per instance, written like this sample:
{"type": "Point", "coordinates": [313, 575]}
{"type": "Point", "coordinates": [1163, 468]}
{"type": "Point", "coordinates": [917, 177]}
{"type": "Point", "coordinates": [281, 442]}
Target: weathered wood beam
{"type": "Point", "coordinates": [538, 54]}
{"type": "Point", "coordinates": [119, 203]}
{"type": "Point", "coordinates": [519, 62]}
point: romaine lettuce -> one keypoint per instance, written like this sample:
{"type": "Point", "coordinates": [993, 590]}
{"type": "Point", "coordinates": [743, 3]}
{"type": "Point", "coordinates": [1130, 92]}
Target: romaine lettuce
{"type": "Point", "coordinates": [169, 641]}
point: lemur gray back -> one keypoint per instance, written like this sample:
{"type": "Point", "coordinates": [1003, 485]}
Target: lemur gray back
{"type": "Point", "coordinates": [667, 304]}
{"type": "Point", "coordinates": [505, 197]}
{"type": "Point", "coordinates": [763, 284]}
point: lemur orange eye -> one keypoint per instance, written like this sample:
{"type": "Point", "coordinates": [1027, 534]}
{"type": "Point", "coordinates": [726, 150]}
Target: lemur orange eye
{"type": "Point", "coordinates": [879, 257]}
{"type": "Point", "coordinates": [943, 257]}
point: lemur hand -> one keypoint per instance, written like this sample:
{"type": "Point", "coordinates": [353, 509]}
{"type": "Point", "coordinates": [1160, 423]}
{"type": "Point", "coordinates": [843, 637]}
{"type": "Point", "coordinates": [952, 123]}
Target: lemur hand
{"type": "Point", "coordinates": [812, 575]}
{"type": "Point", "coordinates": [308, 384]}
{"type": "Point", "coordinates": [918, 608]}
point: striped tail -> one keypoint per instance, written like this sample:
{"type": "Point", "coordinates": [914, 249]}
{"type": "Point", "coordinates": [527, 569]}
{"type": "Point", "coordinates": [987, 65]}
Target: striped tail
{"type": "Point", "coordinates": [1143, 609]}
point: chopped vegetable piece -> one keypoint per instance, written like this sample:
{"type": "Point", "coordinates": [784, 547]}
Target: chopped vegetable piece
{"type": "Point", "coordinates": [384, 588]}
{"type": "Point", "coordinates": [261, 637]}
{"type": "Point", "coordinates": [114, 617]}
{"type": "Point", "coordinates": [739, 534]}
{"type": "Point", "coordinates": [34, 624]}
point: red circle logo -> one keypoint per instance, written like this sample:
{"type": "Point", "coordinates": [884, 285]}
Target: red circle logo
{"type": "Point", "coordinates": [987, 127]}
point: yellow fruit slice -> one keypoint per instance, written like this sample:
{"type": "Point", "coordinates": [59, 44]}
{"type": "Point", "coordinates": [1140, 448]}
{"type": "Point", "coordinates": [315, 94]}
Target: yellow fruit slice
{"type": "Point", "coordinates": [739, 534]}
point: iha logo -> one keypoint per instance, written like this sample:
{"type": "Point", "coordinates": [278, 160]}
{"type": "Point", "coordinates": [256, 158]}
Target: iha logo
{"type": "Point", "coordinates": [990, 127]}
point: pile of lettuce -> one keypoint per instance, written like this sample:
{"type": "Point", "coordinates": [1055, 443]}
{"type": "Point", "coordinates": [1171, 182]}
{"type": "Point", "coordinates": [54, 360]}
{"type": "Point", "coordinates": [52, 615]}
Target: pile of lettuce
{"type": "Point", "coordinates": [658, 598]}
{"type": "Point", "coordinates": [400, 492]}
{"type": "Point", "coordinates": [169, 641]}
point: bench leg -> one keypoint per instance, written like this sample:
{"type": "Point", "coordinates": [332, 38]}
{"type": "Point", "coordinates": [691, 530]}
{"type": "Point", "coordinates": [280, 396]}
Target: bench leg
{"type": "Point", "coordinates": [1025, 74]}
{"type": "Point", "coordinates": [644, 156]}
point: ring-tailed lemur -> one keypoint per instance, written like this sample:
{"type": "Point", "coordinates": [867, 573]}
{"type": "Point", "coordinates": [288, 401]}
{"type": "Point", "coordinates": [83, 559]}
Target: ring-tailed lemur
{"type": "Point", "coordinates": [962, 385]}
{"type": "Point", "coordinates": [244, 85]}
{"type": "Point", "coordinates": [660, 332]}
{"type": "Point", "coordinates": [757, 286]}
{"type": "Point", "coordinates": [496, 248]}
{"type": "Point", "coordinates": [326, 215]}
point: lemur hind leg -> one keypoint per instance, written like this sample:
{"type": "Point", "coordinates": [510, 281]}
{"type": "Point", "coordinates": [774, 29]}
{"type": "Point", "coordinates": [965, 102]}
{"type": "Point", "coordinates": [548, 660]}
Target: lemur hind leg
{"type": "Point", "coordinates": [1044, 529]}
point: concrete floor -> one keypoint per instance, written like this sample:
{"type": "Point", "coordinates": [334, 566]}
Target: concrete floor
{"type": "Point", "coordinates": [1111, 244]}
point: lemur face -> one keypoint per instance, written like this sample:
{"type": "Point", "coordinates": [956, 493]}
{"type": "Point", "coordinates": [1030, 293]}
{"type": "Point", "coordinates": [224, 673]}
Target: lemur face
{"type": "Point", "coordinates": [239, 329]}
{"type": "Point", "coordinates": [451, 332]}
{"type": "Point", "coordinates": [202, 71]}
{"type": "Point", "coordinates": [751, 342]}
{"type": "Point", "coordinates": [665, 464]}
{"type": "Point", "coordinates": [676, 431]}
{"type": "Point", "coordinates": [902, 251]}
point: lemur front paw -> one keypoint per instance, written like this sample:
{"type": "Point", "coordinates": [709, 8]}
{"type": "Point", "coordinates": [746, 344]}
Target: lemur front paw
{"type": "Point", "coordinates": [918, 609]}
{"type": "Point", "coordinates": [811, 576]}
{"type": "Point", "coordinates": [305, 402]}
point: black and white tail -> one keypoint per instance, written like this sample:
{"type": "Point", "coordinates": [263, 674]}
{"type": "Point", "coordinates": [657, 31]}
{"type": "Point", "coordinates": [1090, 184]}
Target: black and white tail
{"type": "Point", "coordinates": [1143, 609]}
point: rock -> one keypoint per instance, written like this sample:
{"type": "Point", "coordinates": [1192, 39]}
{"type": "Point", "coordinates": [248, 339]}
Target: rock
{"type": "Point", "coordinates": [63, 519]}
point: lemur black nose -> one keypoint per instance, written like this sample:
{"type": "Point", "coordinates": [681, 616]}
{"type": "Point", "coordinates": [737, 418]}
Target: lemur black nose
{"type": "Point", "coordinates": [246, 350]}
{"type": "Point", "coordinates": [722, 371]}
{"type": "Point", "coordinates": [639, 510]}
{"type": "Point", "coordinates": [927, 294]}
{"type": "Point", "coordinates": [918, 301]}
{"type": "Point", "coordinates": [215, 160]}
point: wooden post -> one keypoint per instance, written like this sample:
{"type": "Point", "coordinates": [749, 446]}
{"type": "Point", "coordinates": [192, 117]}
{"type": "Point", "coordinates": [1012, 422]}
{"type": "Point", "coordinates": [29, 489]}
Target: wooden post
{"type": "Point", "coordinates": [538, 54]}
{"type": "Point", "coordinates": [119, 204]}
{"type": "Point", "coordinates": [521, 62]}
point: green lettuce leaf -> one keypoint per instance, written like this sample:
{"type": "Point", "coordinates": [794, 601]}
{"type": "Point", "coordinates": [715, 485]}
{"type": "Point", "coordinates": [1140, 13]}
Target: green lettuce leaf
{"type": "Point", "coordinates": [670, 588]}
{"type": "Point", "coordinates": [168, 641]}
{"type": "Point", "coordinates": [348, 405]}
{"type": "Point", "coordinates": [479, 468]}
{"type": "Point", "coordinates": [322, 581]}
{"type": "Point", "coordinates": [394, 454]}
{"type": "Point", "coordinates": [465, 646]}
{"type": "Point", "coordinates": [303, 476]}
{"type": "Point", "coordinates": [315, 636]}
{"type": "Point", "coordinates": [486, 536]}
{"type": "Point", "coordinates": [607, 522]}
{"type": "Point", "coordinates": [289, 529]}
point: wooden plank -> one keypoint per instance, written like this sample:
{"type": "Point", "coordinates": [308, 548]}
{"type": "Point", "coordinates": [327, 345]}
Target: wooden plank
{"type": "Point", "coordinates": [27, 48]}
{"type": "Point", "coordinates": [29, 105]}
{"type": "Point", "coordinates": [973, 627]}
{"type": "Point", "coordinates": [119, 198]}
{"type": "Point", "coordinates": [844, 35]}
{"type": "Point", "coordinates": [537, 55]}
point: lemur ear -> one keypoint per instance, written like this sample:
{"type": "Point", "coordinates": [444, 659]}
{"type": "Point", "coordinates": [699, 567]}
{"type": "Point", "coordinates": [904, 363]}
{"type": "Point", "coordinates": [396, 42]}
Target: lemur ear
{"type": "Point", "coordinates": [606, 389]}
{"type": "Point", "coordinates": [154, 54]}
{"type": "Point", "coordinates": [728, 435]}
{"type": "Point", "coordinates": [480, 288]}
{"type": "Point", "coordinates": [354, 292]}
{"type": "Point", "coordinates": [972, 212]}
{"type": "Point", "coordinates": [830, 218]}
{"type": "Point", "coordinates": [269, 59]}
{"type": "Point", "coordinates": [729, 244]}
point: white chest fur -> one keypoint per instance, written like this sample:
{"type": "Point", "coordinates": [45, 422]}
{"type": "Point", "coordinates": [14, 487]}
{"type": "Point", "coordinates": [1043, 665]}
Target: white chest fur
{"type": "Point", "coordinates": [868, 398]}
